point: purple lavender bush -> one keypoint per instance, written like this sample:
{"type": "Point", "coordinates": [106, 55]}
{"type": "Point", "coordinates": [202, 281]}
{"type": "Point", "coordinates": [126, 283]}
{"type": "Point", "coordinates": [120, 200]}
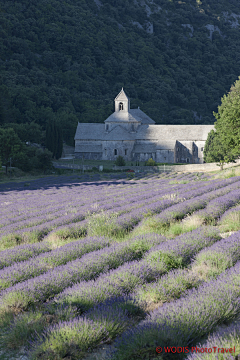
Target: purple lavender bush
{"type": "Point", "coordinates": [224, 338]}
{"type": "Point", "coordinates": [218, 206]}
{"type": "Point", "coordinates": [180, 251]}
{"type": "Point", "coordinates": [22, 252]}
{"type": "Point", "coordinates": [88, 267]}
{"type": "Point", "coordinates": [185, 320]}
{"type": "Point", "coordinates": [119, 282]}
{"type": "Point", "coordinates": [179, 210]}
{"type": "Point", "coordinates": [169, 287]}
{"type": "Point", "coordinates": [229, 212]}
{"type": "Point", "coordinates": [230, 220]}
{"type": "Point", "coordinates": [19, 272]}
{"type": "Point", "coordinates": [221, 255]}
{"type": "Point", "coordinates": [80, 335]}
{"type": "Point", "coordinates": [75, 337]}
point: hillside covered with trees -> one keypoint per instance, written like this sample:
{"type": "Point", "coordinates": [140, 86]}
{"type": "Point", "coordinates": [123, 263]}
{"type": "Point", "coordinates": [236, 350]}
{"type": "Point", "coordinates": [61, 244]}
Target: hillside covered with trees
{"type": "Point", "coordinates": [65, 61]}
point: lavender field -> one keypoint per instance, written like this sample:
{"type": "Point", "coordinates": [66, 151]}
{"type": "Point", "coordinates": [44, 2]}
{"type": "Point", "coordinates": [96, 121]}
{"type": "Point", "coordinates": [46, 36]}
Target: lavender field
{"type": "Point", "coordinates": [120, 269]}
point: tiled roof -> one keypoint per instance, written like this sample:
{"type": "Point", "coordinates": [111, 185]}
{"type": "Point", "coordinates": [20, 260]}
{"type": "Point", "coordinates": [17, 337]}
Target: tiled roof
{"type": "Point", "coordinates": [90, 131]}
{"type": "Point", "coordinates": [119, 133]}
{"type": "Point", "coordinates": [174, 132]}
{"type": "Point", "coordinates": [122, 116]}
{"type": "Point", "coordinates": [166, 145]}
{"type": "Point", "coordinates": [134, 115]}
{"type": "Point", "coordinates": [144, 148]}
{"type": "Point", "coordinates": [165, 135]}
{"type": "Point", "coordinates": [152, 147]}
{"type": "Point", "coordinates": [122, 96]}
{"type": "Point", "coordinates": [139, 114]}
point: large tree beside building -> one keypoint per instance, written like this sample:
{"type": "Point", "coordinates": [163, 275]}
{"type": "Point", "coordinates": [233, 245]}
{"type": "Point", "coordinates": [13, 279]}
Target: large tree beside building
{"type": "Point", "coordinates": [223, 145]}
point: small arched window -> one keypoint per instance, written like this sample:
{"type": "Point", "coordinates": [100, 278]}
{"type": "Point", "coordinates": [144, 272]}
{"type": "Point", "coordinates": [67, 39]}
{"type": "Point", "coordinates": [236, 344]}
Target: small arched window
{"type": "Point", "coordinates": [125, 151]}
{"type": "Point", "coordinates": [115, 151]}
{"type": "Point", "coordinates": [107, 127]}
{"type": "Point", "coordinates": [120, 106]}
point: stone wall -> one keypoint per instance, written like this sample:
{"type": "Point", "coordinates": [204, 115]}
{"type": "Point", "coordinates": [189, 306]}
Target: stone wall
{"type": "Point", "coordinates": [187, 152]}
{"type": "Point", "coordinates": [178, 168]}
{"type": "Point", "coordinates": [184, 152]}
{"type": "Point", "coordinates": [165, 156]}
{"type": "Point", "coordinates": [200, 145]}
{"type": "Point", "coordinates": [124, 148]}
{"type": "Point", "coordinates": [139, 168]}
{"type": "Point", "coordinates": [202, 167]}
{"type": "Point", "coordinates": [88, 155]}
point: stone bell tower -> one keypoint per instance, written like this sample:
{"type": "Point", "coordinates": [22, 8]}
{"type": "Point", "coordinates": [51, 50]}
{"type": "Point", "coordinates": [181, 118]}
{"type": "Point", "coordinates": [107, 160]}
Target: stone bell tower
{"type": "Point", "coordinates": [122, 102]}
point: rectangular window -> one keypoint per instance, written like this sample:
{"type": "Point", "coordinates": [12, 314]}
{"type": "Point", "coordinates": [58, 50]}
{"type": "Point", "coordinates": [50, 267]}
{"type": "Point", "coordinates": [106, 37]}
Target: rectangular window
{"type": "Point", "coordinates": [125, 151]}
{"type": "Point", "coordinates": [201, 148]}
{"type": "Point", "coordinates": [115, 151]}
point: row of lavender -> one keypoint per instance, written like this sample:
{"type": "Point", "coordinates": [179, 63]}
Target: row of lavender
{"type": "Point", "coordinates": [41, 288]}
{"type": "Point", "coordinates": [108, 305]}
{"type": "Point", "coordinates": [59, 214]}
{"type": "Point", "coordinates": [113, 315]}
{"type": "Point", "coordinates": [45, 226]}
{"type": "Point", "coordinates": [131, 216]}
{"type": "Point", "coordinates": [41, 264]}
{"type": "Point", "coordinates": [87, 267]}
{"type": "Point", "coordinates": [75, 196]}
{"type": "Point", "coordinates": [25, 197]}
{"type": "Point", "coordinates": [194, 315]}
{"type": "Point", "coordinates": [158, 262]}
{"type": "Point", "coordinates": [181, 248]}
{"type": "Point", "coordinates": [25, 251]}
{"type": "Point", "coordinates": [39, 201]}
{"type": "Point", "coordinates": [194, 200]}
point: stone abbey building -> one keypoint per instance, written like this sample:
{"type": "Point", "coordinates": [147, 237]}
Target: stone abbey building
{"type": "Point", "coordinates": [135, 136]}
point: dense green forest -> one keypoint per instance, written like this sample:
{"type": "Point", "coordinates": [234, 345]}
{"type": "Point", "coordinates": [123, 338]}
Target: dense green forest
{"type": "Point", "coordinates": [64, 61]}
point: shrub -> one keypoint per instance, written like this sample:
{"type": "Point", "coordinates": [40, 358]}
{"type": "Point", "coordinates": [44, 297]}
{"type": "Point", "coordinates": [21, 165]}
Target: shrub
{"type": "Point", "coordinates": [150, 162]}
{"type": "Point", "coordinates": [120, 161]}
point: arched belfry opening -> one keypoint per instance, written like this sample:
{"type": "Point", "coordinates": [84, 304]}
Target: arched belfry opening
{"type": "Point", "coordinates": [122, 102]}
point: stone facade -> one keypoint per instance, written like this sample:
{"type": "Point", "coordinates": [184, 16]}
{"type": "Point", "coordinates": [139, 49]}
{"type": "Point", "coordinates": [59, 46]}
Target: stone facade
{"type": "Point", "coordinates": [135, 136]}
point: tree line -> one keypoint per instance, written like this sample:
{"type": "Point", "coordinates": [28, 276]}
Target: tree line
{"type": "Point", "coordinates": [65, 61]}
{"type": "Point", "coordinates": [20, 146]}
{"type": "Point", "coordinates": [223, 143]}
